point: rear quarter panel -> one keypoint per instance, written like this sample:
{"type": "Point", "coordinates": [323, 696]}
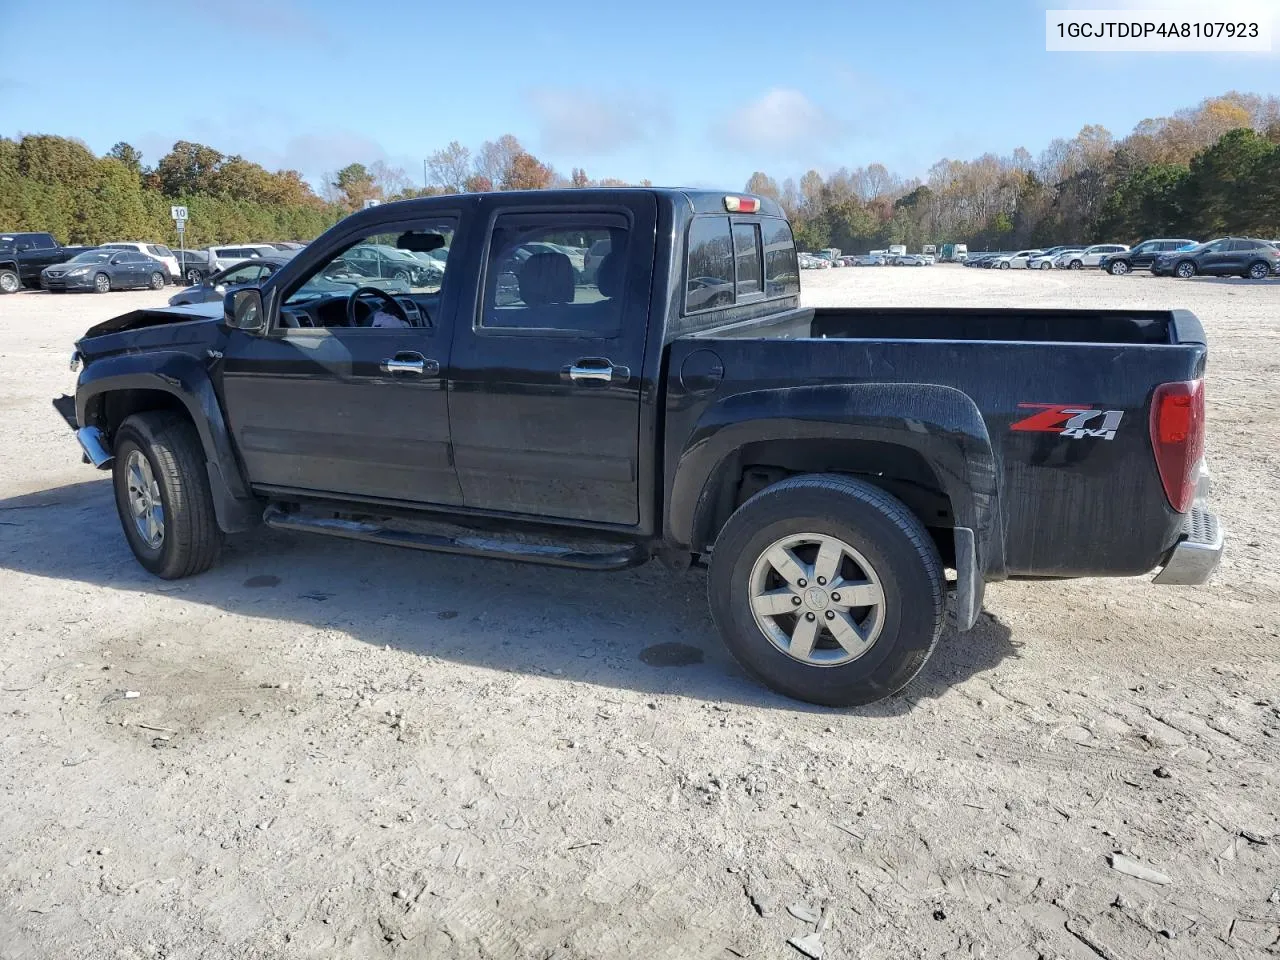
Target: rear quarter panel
{"type": "Point", "coordinates": [1064, 506]}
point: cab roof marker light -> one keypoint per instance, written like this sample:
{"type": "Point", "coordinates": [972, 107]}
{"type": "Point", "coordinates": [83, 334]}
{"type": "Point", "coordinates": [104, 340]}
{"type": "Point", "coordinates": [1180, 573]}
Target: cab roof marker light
{"type": "Point", "coordinates": [742, 204]}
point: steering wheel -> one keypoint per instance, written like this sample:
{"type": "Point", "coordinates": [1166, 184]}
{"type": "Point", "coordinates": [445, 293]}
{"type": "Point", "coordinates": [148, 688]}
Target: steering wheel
{"type": "Point", "coordinates": [392, 303]}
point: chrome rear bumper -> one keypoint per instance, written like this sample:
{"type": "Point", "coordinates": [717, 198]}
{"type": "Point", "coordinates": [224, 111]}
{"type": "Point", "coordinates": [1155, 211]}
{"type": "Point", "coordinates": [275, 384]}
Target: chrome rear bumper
{"type": "Point", "coordinates": [1196, 555]}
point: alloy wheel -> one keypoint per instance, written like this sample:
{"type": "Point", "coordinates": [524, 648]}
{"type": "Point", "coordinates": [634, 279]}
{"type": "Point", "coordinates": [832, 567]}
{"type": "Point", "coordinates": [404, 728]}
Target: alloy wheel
{"type": "Point", "coordinates": [817, 599]}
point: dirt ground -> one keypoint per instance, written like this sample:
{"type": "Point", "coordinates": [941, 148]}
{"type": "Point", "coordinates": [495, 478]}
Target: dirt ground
{"type": "Point", "coordinates": [339, 750]}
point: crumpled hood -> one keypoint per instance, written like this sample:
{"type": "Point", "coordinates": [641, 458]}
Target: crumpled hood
{"type": "Point", "coordinates": [152, 328]}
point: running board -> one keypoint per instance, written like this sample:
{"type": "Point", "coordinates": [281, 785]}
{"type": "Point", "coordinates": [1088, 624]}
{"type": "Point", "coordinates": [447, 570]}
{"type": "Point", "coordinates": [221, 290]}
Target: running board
{"type": "Point", "coordinates": [473, 546]}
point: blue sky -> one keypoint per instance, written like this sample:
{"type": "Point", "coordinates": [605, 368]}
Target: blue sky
{"type": "Point", "coordinates": [699, 93]}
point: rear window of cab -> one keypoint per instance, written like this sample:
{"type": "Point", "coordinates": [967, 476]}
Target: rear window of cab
{"type": "Point", "coordinates": [739, 260]}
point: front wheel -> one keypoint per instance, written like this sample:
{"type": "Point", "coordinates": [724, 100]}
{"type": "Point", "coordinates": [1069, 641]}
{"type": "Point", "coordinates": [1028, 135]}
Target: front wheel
{"type": "Point", "coordinates": [193, 277]}
{"type": "Point", "coordinates": [828, 590]}
{"type": "Point", "coordinates": [162, 495]}
{"type": "Point", "coordinates": [1004, 266]}
{"type": "Point", "coordinates": [1077, 264]}
{"type": "Point", "coordinates": [102, 283]}
{"type": "Point", "coordinates": [1046, 265]}
{"type": "Point", "coordinates": [1186, 270]}
{"type": "Point", "coordinates": [10, 282]}
{"type": "Point", "coordinates": [157, 280]}
{"type": "Point", "coordinates": [1119, 268]}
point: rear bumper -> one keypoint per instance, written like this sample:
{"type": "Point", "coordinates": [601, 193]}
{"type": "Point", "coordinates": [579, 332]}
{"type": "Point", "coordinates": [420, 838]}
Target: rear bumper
{"type": "Point", "coordinates": [1195, 556]}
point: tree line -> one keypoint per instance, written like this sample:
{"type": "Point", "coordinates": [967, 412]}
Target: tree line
{"type": "Point", "coordinates": [1205, 171]}
{"type": "Point", "coordinates": [57, 184]}
{"type": "Point", "coordinates": [1208, 170]}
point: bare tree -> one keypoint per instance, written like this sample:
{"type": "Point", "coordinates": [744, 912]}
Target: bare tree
{"type": "Point", "coordinates": [496, 157]}
{"type": "Point", "coordinates": [450, 167]}
{"type": "Point", "coordinates": [388, 180]}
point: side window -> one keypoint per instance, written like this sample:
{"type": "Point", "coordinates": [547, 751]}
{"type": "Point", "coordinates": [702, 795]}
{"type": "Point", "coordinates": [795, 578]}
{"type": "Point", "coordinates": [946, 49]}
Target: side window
{"type": "Point", "coordinates": [1243, 246]}
{"type": "Point", "coordinates": [1222, 246]}
{"type": "Point", "coordinates": [537, 276]}
{"type": "Point", "coordinates": [406, 263]}
{"type": "Point", "coordinates": [250, 273]}
{"type": "Point", "coordinates": [746, 251]}
{"type": "Point", "coordinates": [43, 241]}
{"type": "Point", "coordinates": [710, 278]}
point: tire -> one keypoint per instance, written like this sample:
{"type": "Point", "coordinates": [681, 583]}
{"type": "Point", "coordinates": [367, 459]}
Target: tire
{"type": "Point", "coordinates": [1118, 269]}
{"type": "Point", "coordinates": [1046, 265]}
{"type": "Point", "coordinates": [193, 277]}
{"type": "Point", "coordinates": [892, 548]}
{"type": "Point", "coordinates": [1077, 264]}
{"type": "Point", "coordinates": [10, 282]}
{"type": "Point", "coordinates": [101, 283]}
{"type": "Point", "coordinates": [157, 280]}
{"type": "Point", "coordinates": [1258, 271]}
{"type": "Point", "coordinates": [189, 538]}
{"type": "Point", "coordinates": [401, 275]}
{"type": "Point", "coordinates": [1005, 265]}
{"type": "Point", "coordinates": [1185, 270]}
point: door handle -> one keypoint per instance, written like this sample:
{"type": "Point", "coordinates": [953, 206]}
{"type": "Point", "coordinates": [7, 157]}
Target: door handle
{"type": "Point", "coordinates": [409, 362]}
{"type": "Point", "coordinates": [599, 369]}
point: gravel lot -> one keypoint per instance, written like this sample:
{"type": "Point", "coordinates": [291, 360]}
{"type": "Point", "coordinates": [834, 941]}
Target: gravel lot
{"type": "Point", "coordinates": [339, 750]}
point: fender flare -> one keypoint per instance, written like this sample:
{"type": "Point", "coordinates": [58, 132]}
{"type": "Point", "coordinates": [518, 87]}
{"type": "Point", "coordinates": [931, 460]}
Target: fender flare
{"type": "Point", "coordinates": [940, 423]}
{"type": "Point", "coordinates": [185, 378]}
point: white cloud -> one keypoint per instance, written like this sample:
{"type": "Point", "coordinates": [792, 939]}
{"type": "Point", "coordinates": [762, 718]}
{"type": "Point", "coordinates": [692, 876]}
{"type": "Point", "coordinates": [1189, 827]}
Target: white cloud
{"type": "Point", "coordinates": [589, 124]}
{"type": "Point", "coordinates": [780, 121]}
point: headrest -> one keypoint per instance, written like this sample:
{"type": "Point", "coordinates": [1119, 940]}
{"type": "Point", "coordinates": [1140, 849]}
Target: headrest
{"type": "Point", "coordinates": [610, 273]}
{"type": "Point", "coordinates": [546, 278]}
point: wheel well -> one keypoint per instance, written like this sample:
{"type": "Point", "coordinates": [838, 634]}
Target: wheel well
{"type": "Point", "coordinates": [108, 410]}
{"type": "Point", "coordinates": [897, 470]}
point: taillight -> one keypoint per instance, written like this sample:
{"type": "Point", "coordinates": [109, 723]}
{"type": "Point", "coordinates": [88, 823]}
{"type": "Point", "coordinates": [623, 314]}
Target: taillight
{"type": "Point", "coordinates": [1177, 437]}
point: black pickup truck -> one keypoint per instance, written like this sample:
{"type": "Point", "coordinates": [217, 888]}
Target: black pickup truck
{"type": "Point", "coordinates": [828, 465]}
{"type": "Point", "coordinates": [24, 255]}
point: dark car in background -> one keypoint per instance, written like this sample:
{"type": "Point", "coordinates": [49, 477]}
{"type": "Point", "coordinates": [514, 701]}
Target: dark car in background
{"type": "Point", "coordinates": [24, 255]}
{"type": "Point", "coordinates": [103, 270]}
{"type": "Point", "coordinates": [1142, 256]}
{"type": "Point", "coordinates": [194, 266]}
{"type": "Point", "coordinates": [1227, 257]}
{"type": "Point", "coordinates": [213, 288]}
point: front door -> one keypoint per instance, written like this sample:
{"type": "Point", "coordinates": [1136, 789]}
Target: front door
{"type": "Point", "coordinates": [545, 392]}
{"type": "Point", "coordinates": [346, 395]}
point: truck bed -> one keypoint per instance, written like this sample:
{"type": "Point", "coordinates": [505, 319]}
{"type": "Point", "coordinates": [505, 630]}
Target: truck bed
{"type": "Point", "coordinates": [1059, 506]}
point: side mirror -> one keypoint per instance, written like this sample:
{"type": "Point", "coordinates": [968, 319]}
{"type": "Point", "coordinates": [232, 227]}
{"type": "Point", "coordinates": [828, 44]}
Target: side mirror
{"type": "Point", "coordinates": [242, 310]}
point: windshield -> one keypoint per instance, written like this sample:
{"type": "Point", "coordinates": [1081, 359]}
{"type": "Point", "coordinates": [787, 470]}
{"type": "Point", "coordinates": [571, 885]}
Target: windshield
{"type": "Point", "coordinates": [93, 256]}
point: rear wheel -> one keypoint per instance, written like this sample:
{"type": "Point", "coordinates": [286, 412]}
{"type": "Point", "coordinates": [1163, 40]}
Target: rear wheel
{"type": "Point", "coordinates": [193, 277]}
{"type": "Point", "coordinates": [827, 589]}
{"type": "Point", "coordinates": [10, 282]}
{"type": "Point", "coordinates": [162, 495]}
{"type": "Point", "coordinates": [157, 280]}
{"type": "Point", "coordinates": [101, 283]}
{"type": "Point", "coordinates": [1186, 270]}
{"type": "Point", "coordinates": [1258, 271]}
{"type": "Point", "coordinates": [1119, 268]}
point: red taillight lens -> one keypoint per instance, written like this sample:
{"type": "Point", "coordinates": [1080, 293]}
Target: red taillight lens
{"type": "Point", "coordinates": [1177, 438]}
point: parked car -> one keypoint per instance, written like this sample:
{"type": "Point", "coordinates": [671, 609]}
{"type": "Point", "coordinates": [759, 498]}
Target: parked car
{"type": "Point", "coordinates": [910, 260]}
{"type": "Point", "coordinates": [24, 255]}
{"type": "Point", "coordinates": [215, 287]}
{"type": "Point", "coordinates": [194, 265]}
{"type": "Point", "coordinates": [1142, 256]}
{"type": "Point", "coordinates": [828, 464]}
{"type": "Point", "coordinates": [222, 257]}
{"type": "Point", "coordinates": [1089, 256]}
{"type": "Point", "coordinates": [158, 251]}
{"type": "Point", "coordinates": [592, 259]}
{"type": "Point", "coordinates": [286, 245]}
{"type": "Point", "coordinates": [105, 269]}
{"type": "Point", "coordinates": [1048, 259]}
{"type": "Point", "coordinates": [1227, 257]}
{"type": "Point", "coordinates": [1016, 261]}
{"type": "Point", "coordinates": [377, 261]}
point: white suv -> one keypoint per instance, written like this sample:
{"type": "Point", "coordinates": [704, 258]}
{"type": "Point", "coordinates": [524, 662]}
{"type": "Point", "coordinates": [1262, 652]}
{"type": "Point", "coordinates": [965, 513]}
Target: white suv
{"type": "Point", "coordinates": [222, 257]}
{"type": "Point", "coordinates": [1089, 256]}
{"type": "Point", "coordinates": [157, 251]}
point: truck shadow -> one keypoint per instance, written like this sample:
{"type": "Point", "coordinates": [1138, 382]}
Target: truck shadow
{"type": "Point", "coordinates": [646, 629]}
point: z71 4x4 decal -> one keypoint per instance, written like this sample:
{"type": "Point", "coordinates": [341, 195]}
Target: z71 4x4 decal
{"type": "Point", "coordinates": [1069, 420]}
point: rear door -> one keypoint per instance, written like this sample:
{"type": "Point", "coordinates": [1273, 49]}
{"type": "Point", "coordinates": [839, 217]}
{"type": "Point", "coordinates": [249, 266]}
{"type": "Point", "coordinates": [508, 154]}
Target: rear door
{"type": "Point", "coordinates": [546, 387]}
